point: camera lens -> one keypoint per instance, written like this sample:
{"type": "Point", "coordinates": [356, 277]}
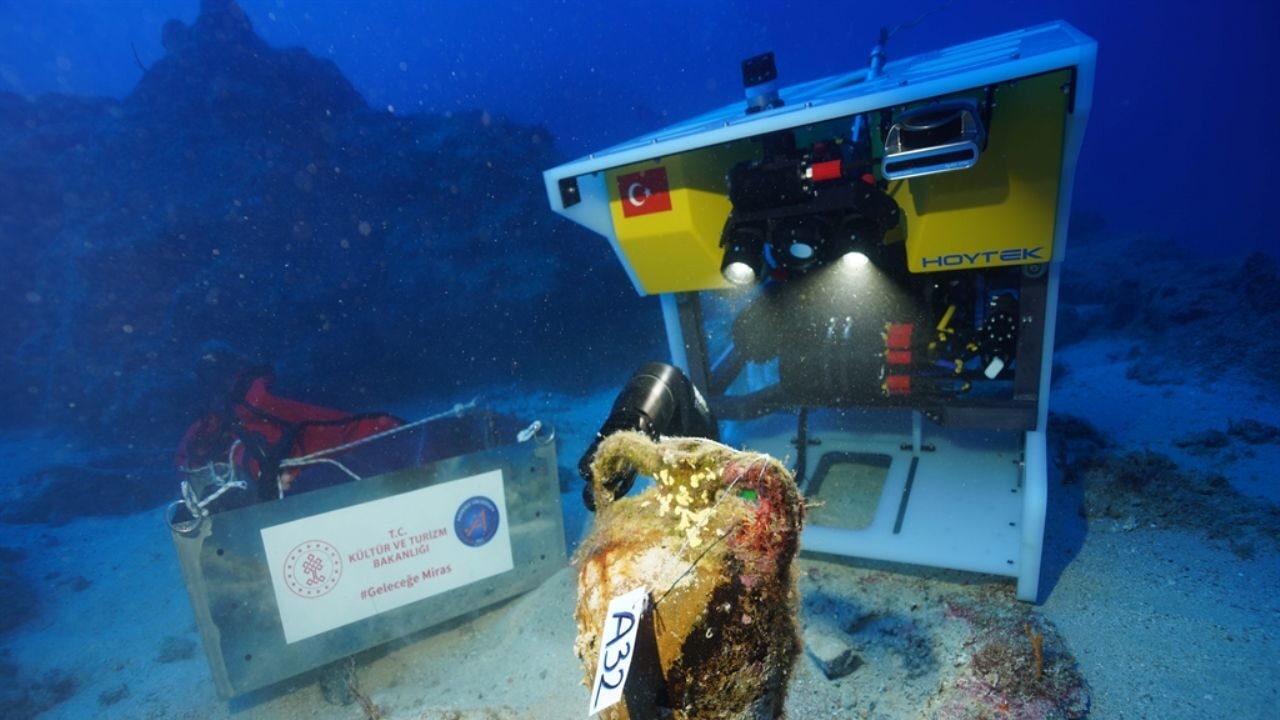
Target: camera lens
{"type": "Point", "coordinates": [797, 242]}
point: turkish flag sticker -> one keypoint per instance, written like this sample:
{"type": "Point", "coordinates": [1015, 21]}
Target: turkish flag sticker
{"type": "Point", "coordinates": [645, 192]}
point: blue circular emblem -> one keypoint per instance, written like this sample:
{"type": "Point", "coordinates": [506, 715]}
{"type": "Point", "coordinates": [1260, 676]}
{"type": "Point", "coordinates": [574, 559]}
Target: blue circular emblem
{"type": "Point", "coordinates": [476, 521]}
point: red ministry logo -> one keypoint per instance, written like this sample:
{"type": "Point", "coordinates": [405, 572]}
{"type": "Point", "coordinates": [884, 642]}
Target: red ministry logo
{"type": "Point", "coordinates": [312, 569]}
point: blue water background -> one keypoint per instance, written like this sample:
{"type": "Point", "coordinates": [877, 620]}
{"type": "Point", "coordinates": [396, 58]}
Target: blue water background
{"type": "Point", "coordinates": [1181, 141]}
{"type": "Point", "coordinates": [1179, 147]}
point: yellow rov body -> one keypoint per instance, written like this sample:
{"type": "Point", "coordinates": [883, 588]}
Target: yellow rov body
{"type": "Point", "coordinates": [1002, 211]}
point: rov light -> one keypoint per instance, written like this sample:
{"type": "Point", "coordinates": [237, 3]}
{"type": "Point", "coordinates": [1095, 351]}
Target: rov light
{"type": "Point", "coordinates": [853, 260]}
{"type": "Point", "coordinates": [739, 273]}
{"type": "Point", "coordinates": [853, 244]}
{"type": "Point", "coordinates": [743, 258]}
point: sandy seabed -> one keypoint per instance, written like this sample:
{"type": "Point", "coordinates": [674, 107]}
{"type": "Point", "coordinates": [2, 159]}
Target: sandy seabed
{"type": "Point", "coordinates": [1139, 619]}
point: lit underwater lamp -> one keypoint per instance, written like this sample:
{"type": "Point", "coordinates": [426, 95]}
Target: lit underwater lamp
{"type": "Point", "coordinates": [743, 260]}
{"type": "Point", "coordinates": [850, 248]}
{"type": "Point", "coordinates": [739, 272]}
{"type": "Point", "coordinates": [854, 260]}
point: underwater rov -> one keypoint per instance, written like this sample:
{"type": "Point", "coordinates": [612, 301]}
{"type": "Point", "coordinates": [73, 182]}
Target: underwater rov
{"type": "Point", "coordinates": [865, 268]}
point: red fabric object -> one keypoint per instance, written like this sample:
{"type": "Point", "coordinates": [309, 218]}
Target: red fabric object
{"type": "Point", "coordinates": [898, 336]}
{"type": "Point", "coordinates": [263, 421]}
{"type": "Point", "coordinates": [207, 440]}
{"type": "Point", "coordinates": [320, 427]}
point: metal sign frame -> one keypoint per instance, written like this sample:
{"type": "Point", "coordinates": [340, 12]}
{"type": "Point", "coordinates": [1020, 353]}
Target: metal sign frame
{"type": "Point", "coordinates": [233, 599]}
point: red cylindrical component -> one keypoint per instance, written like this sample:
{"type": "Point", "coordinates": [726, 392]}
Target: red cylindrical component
{"type": "Point", "coordinates": [898, 336]}
{"type": "Point", "coordinates": [898, 384]}
{"type": "Point", "coordinates": [828, 170]}
{"type": "Point", "coordinates": [898, 357]}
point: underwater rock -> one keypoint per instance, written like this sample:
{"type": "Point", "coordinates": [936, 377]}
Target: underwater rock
{"type": "Point", "coordinates": [916, 635]}
{"type": "Point", "coordinates": [1253, 432]}
{"type": "Point", "coordinates": [1147, 489]}
{"type": "Point", "coordinates": [1019, 668]}
{"type": "Point", "coordinates": [248, 193]}
{"type": "Point", "coordinates": [12, 555]}
{"type": "Point", "coordinates": [23, 696]}
{"type": "Point", "coordinates": [1074, 442]}
{"type": "Point", "coordinates": [175, 649]}
{"type": "Point", "coordinates": [108, 486]}
{"type": "Point", "coordinates": [79, 583]}
{"type": "Point", "coordinates": [498, 713]}
{"type": "Point", "coordinates": [1193, 316]}
{"type": "Point", "coordinates": [1206, 442]}
{"type": "Point", "coordinates": [111, 696]}
{"type": "Point", "coordinates": [335, 683]}
{"type": "Point", "coordinates": [18, 602]}
{"type": "Point", "coordinates": [713, 542]}
{"type": "Point", "coordinates": [219, 68]}
{"type": "Point", "coordinates": [1258, 277]}
{"type": "Point", "coordinates": [832, 652]}
{"type": "Point", "coordinates": [1153, 371]}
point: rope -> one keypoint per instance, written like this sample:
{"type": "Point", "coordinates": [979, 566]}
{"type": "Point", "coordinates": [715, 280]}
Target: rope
{"type": "Point", "coordinates": [340, 466]}
{"type": "Point", "coordinates": [224, 477]}
{"type": "Point", "coordinates": [457, 411]}
{"type": "Point", "coordinates": [693, 564]}
{"type": "Point", "coordinates": [924, 16]}
{"type": "Point", "coordinates": [280, 488]}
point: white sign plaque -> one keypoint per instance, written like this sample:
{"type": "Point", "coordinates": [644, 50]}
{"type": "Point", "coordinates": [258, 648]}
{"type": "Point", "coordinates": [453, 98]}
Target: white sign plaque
{"type": "Point", "coordinates": [617, 648]}
{"type": "Point", "coordinates": [335, 568]}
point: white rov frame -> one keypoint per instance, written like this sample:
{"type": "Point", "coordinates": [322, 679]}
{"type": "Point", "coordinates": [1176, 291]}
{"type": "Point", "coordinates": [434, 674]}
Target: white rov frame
{"type": "Point", "coordinates": [976, 507]}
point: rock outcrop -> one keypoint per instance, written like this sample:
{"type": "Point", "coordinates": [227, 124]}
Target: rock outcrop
{"type": "Point", "coordinates": [248, 193]}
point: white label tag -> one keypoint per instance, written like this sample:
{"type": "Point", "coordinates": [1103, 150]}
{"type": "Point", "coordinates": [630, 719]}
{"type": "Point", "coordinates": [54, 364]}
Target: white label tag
{"type": "Point", "coordinates": [338, 567]}
{"type": "Point", "coordinates": [617, 648]}
{"type": "Point", "coordinates": [994, 369]}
